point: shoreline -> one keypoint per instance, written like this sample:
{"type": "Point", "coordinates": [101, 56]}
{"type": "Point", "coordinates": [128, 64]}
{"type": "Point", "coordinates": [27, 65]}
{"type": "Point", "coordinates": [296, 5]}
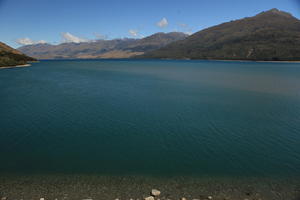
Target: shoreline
{"type": "Point", "coordinates": [163, 59]}
{"type": "Point", "coordinates": [16, 66]}
{"type": "Point", "coordinates": [79, 187]}
{"type": "Point", "coordinates": [262, 61]}
{"type": "Point", "coordinates": [259, 61]}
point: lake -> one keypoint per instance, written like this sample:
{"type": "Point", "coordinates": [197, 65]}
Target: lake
{"type": "Point", "coordinates": [151, 118]}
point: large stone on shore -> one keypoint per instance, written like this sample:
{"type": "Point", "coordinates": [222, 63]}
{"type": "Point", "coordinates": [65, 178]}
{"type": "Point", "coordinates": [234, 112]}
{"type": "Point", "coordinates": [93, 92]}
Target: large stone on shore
{"type": "Point", "coordinates": [155, 192]}
{"type": "Point", "coordinates": [149, 198]}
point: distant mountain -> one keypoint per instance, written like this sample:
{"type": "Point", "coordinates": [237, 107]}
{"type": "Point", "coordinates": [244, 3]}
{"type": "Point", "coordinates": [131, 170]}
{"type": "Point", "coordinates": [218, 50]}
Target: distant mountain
{"type": "Point", "coordinates": [12, 57]}
{"type": "Point", "coordinates": [270, 35]}
{"type": "Point", "coordinates": [118, 48]}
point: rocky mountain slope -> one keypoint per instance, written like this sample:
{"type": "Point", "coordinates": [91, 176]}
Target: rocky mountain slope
{"type": "Point", "coordinates": [271, 35]}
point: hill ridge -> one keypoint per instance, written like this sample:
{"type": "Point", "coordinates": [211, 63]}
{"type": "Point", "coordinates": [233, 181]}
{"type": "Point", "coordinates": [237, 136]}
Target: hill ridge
{"type": "Point", "coordinates": [12, 57]}
{"type": "Point", "coordinates": [269, 35]}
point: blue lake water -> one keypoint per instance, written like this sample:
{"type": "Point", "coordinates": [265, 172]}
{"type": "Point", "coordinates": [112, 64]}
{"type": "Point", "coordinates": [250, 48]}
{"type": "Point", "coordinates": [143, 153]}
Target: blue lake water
{"type": "Point", "coordinates": [150, 117]}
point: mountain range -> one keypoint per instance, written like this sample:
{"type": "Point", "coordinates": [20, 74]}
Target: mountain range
{"type": "Point", "coordinates": [272, 35]}
{"type": "Point", "coordinates": [117, 48]}
{"type": "Point", "coordinates": [269, 36]}
{"type": "Point", "coordinates": [12, 57]}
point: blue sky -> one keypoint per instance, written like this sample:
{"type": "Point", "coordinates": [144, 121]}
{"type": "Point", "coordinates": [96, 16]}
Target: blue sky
{"type": "Point", "coordinates": [56, 21]}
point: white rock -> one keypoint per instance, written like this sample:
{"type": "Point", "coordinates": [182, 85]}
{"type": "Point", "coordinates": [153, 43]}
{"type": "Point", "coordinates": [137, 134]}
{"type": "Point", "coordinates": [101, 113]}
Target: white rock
{"type": "Point", "coordinates": [42, 198]}
{"type": "Point", "coordinates": [209, 197]}
{"type": "Point", "coordinates": [155, 192]}
{"type": "Point", "coordinates": [149, 198]}
{"type": "Point", "coordinates": [183, 198]}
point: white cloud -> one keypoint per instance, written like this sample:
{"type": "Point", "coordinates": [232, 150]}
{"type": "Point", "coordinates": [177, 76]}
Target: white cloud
{"type": "Point", "coordinates": [68, 37]}
{"type": "Point", "coordinates": [189, 32]}
{"type": "Point", "coordinates": [162, 23]}
{"type": "Point", "coordinates": [133, 33]}
{"type": "Point", "coordinates": [28, 41]}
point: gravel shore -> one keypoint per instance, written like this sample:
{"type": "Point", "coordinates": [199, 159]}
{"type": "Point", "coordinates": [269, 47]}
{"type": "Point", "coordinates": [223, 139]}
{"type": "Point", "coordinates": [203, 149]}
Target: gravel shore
{"type": "Point", "coordinates": [64, 187]}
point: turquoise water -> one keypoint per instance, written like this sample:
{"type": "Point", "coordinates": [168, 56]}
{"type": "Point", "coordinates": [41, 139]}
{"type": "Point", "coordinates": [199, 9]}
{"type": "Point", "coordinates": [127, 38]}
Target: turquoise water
{"type": "Point", "coordinates": [151, 118]}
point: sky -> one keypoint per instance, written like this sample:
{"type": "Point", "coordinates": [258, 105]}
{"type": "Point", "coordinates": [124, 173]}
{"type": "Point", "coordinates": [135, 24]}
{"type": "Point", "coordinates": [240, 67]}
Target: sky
{"type": "Point", "coordinates": [55, 21]}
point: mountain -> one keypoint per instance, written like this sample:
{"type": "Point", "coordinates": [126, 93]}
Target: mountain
{"type": "Point", "coordinates": [12, 57]}
{"type": "Point", "coordinates": [118, 48]}
{"type": "Point", "coordinates": [270, 35]}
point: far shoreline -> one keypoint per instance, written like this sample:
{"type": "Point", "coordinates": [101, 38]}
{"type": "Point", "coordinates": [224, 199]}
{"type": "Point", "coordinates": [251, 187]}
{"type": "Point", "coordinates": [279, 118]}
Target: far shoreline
{"type": "Point", "coordinates": [15, 66]}
{"type": "Point", "coordinates": [170, 59]}
{"type": "Point", "coordinates": [230, 60]}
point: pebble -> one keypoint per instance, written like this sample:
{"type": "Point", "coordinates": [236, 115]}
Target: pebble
{"type": "Point", "coordinates": [209, 197]}
{"type": "Point", "coordinates": [149, 198]}
{"type": "Point", "coordinates": [183, 198]}
{"type": "Point", "coordinates": [155, 192]}
{"type": "Point", "coordinates": [42, 198]}
{"type": "Point", "coordinates": [4, 198]}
